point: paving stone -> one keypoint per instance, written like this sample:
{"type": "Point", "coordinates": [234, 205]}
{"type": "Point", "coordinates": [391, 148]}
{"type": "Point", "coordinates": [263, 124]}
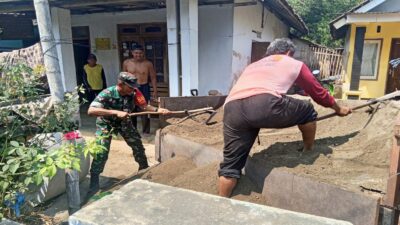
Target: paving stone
{"type": "Point", "coordinates": [292, 192]}
{"type": "Point", "coordinates": [143, 202]}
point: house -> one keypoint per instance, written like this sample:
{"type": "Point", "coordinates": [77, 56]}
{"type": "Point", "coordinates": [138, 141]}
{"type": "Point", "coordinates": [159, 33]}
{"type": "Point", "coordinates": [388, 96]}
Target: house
{"type": "Point", "coordinates": [17, 31]}
{"type": "Point", "coordinates": [372, 38]}
{"type": "Point", "coordinates": [193, 44]}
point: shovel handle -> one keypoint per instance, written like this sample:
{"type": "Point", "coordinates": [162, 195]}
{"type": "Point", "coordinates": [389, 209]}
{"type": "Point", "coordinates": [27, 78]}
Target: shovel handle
{"type": "Point", "coordinates": [354, 108]}
{"type": "Point", "coordinates": [371, 102]}
{"type": "Point", "coordinates": [172, 112]}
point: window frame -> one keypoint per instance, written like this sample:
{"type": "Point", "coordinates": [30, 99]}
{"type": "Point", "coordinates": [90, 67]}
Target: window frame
{"type": "Point", "coordinates": [377, 61]}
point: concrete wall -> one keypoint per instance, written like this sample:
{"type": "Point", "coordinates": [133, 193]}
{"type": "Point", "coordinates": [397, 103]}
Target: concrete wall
{"type": "Point", "coordinates": [215, 48]}
{"type": "Point", "coordinates": [61, 19]}
{"type": "Point", "coordinates": [246, 20]}
{"type": "Point", "coordinates": [225, 38]}
{"type": "Point", "coordinates": [303, 51]}
{"type": "Point", "coordinates": [215, 41]}
{"type": "Point", "coordinates": [104, 25]}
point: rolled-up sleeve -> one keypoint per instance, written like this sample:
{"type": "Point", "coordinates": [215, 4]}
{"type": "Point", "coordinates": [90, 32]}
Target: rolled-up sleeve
{"type": "Point", "coordinates": [312, 87]}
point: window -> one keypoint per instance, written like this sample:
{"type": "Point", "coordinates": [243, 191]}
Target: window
{"type": "Point", "coordinates": [370, 59]}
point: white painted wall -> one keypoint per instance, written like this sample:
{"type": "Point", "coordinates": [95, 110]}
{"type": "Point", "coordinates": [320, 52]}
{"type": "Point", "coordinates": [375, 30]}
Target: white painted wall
{"type": "Point", "coordinates": [61, 20]}
{"type": "Point", "coordinates": [173, 48]}
{"type": "Point", "coordinates": [189, 18]}
{"type": "Point", "coordinates": [215, 48]}
{"type": "Point", "coordinates": [104, 25]}
{"type": "Point", "coordinates": [246, 19]}
{"type": "Point", "coordinates": [224, 40]}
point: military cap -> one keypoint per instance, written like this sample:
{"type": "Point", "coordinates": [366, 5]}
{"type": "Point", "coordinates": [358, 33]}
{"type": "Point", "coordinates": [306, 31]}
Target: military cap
{"type": "Point", "coordinates": [128, 78]}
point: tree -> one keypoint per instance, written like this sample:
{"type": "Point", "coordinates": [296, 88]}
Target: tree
{"type": "Point", "coordinates": [317, 14]}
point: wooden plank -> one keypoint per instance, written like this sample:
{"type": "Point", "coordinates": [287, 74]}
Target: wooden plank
{"type": "Point", "coordinates": [392, 197]}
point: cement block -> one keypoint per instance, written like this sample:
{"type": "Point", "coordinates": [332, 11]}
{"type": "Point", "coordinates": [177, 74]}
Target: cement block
{"type": "Point", "coordinates": [143, 202]}
{"type": "Point", "coordinates": [292, 192]}
{"type": "Point", "coordinates": [168, 146]}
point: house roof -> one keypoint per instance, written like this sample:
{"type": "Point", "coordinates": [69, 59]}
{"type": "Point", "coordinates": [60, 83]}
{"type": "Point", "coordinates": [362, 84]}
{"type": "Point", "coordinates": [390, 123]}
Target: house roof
{"type": "Point", "coordinates": [285, 12]}
{"type": "Point", "coordinates": [279, 7]}
{"type": "Point", "coordinates": [370, 8]}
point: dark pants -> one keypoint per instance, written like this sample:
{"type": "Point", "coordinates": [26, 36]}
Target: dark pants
{"type": "Point", "coordinates": [131, 137]}
{"type": "Point", "coordinates": [243, 119]}
{"type": "Point", "coordinates": [145, 89]}
{"type": "Point", "coordinates": [92, 95]}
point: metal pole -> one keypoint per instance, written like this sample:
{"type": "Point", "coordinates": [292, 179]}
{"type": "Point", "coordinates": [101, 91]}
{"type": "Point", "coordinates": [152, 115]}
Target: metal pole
{"type": "Point", "coordinates": [51, 63]}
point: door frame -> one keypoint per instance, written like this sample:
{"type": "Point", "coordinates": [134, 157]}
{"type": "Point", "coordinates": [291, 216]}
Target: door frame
{"type": "Point", "coordinates": [392, 49]}
{"type": "Point", "coordinates": [141, 36]}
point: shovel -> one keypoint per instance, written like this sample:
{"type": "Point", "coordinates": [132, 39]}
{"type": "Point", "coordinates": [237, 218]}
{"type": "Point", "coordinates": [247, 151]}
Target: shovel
{"type": "Point", "coordinates": [189, 113]}
{"type": "Point", "coordinates": [370, 102]}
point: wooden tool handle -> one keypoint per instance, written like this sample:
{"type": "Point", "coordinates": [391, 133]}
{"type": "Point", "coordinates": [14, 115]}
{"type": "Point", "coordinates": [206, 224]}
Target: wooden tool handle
{"type": "Point", "coordinates": [330, 115]}
{"type": "Point", "coordinates": [371, 102]}
{"type": "Point", "coordinates": [172, 112]}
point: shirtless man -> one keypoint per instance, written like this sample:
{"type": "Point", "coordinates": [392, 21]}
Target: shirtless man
{"type": "Point", "coordinates": [143, 70]}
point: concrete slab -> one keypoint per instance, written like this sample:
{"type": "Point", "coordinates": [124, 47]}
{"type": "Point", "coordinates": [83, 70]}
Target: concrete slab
{"type": "Point", "coordinates": [143, 202]}
{"type": "Point", "coordinates": [293, 192]}
{"type": "Point", "coordinates": [168, 146]}
{"type": "Point", "coordinates": [8, 222]}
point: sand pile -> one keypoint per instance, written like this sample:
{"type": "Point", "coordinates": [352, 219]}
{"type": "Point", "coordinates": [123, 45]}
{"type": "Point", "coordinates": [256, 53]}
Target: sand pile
{"type": "Point", "coordinates": [351, 151]}
{"type": "Point", "coordinates": [181, 172]}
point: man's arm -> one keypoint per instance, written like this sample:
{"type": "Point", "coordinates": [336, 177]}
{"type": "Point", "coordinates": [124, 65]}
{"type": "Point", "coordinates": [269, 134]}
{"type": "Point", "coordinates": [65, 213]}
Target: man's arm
{"type": "Point", "coordinates": [125, 66]}
{"type": "Point", "coordinates": [141, 102]}
{"type": "Point", "coordinates": [94, 111]}
{"type": "Point", "coordinates": [153, 78]}
{"type": "Point", "coordinates": [319, 94]}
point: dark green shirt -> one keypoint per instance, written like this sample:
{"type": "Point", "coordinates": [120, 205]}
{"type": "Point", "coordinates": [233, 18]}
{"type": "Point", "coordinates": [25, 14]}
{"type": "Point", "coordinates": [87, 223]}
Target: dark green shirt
{"type": "Point", "coordinates": [111, 99]}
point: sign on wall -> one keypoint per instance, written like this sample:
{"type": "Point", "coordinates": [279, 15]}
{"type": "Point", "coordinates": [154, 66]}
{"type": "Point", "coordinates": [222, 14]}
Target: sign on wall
{"type": "Point", "coordinates": [103, 43]}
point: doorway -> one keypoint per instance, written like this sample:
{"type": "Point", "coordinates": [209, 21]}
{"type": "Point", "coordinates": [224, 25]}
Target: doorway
{"type": "Point", "coordinates": [258, 50]}
{"type": "Point", "coordinates": [153, 38]}
{"type": "Point", "coordinates": [393, 77]}
{"type": "Point", "coordinates": [81, 43]}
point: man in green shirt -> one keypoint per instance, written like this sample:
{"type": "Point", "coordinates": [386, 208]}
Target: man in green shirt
{"type": "Point", "coordinates": [112, 107]}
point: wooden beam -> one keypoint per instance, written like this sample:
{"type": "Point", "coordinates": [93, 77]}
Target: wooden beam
{"type": "Point", "coordinates": [8, 1]}
{"type": "Point", "coordinates": [16, 8]}
{"type": "Point", "coordinates": [392, 197]}
{"type": "Point", "coordinates": [71, 4]}
{"type": "Point", "coordinates": [81, 3]}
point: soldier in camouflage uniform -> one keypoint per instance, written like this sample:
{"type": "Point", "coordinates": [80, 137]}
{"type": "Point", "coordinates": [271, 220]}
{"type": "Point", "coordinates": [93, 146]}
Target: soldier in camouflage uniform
{"type": "Point", "coordinates": [112, 107]}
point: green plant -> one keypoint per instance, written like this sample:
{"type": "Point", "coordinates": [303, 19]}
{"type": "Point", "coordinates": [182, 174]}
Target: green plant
{"type": "Point", "coordinates": [24, 157]}
{"type": "Point", "coordinates": [18, 82]}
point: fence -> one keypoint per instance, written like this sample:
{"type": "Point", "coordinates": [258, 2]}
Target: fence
{"type": "Point", "coordinates": [328, 61]}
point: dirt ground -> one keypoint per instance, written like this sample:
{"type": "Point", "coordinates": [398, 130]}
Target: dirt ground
{"type": "Point", "coordinates": [349, 152]}
{"type": "Point", "coordinates": [183, 173]}
{"type": "Point", "coordinates": [352, 152]}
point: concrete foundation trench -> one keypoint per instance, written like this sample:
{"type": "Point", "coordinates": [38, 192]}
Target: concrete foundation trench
{"type": "Point", "coordinates": [345, 177]}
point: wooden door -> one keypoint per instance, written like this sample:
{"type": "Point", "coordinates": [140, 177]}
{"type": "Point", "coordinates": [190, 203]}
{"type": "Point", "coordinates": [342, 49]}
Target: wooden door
{"type": "Point", "coordinates": [393, 77]}
{"type": "Point", "coordinates": [258, 50]}
{"type": "Point", "coordinates": [153, 38]}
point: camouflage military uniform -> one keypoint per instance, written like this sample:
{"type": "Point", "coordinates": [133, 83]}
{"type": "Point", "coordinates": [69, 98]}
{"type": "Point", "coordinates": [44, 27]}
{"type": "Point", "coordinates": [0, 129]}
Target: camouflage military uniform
{"type": "Point", "coordinates": [106, 126]}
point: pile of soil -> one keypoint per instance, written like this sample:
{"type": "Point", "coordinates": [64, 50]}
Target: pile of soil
{"type": "Point", "coordinates": [182, 172]}
{"type": "Point", "coordinates": [352, 152]}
